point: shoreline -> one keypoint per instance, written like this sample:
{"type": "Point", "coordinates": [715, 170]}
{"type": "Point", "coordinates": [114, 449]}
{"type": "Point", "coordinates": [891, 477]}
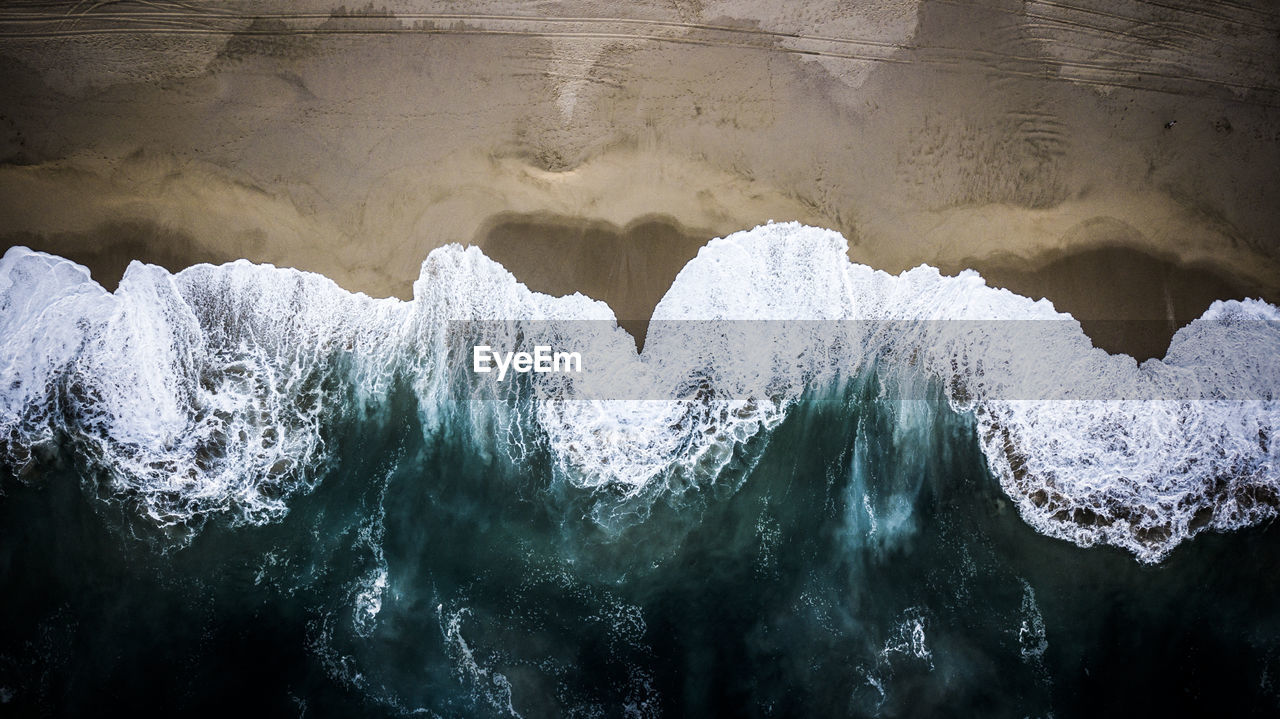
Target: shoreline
{"type": "Point", "coordinates": [1127, 301]}
{"type": "Point", "coordinates": [948, 138]}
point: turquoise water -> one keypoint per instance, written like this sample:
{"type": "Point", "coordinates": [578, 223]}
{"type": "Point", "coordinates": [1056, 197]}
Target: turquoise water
{"type": "Point", "coordinates": [867, 565]}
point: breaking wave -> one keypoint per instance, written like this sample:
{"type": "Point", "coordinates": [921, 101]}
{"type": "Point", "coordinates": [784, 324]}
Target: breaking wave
{"type": "Point", "coordinates": [214, 391]}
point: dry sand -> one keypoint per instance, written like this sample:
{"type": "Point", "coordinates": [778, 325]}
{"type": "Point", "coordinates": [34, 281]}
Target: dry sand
{"type": "Point", "coordinates": [592, 146]}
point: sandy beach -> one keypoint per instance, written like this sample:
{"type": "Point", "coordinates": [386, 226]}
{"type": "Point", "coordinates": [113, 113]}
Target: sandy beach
{"type": "Point", "coordinates": [1118, 158]}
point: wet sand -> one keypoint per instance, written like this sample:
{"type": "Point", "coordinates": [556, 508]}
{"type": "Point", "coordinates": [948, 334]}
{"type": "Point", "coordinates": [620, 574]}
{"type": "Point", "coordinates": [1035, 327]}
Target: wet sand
{"type": "Point", "coordinates": [630, 268]}
{"type": "Point", "coordinates": [1125, 299]}
{"type": "Point", "coordinates": [594, 149]}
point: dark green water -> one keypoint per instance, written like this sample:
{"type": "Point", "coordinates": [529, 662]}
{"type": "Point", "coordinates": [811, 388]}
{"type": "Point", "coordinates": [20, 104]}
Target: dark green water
{"type": "Point", "coordinates": [859, 561]}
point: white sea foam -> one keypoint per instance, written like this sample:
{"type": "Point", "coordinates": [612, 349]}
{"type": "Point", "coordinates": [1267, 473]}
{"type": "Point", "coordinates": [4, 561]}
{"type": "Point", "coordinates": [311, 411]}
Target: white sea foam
{"type": "Point", "coordinates": [488, 686]}
{"type": "Point", "coordinates": [194, 393]}
{"type": "Point", "coordinates": [1032, 641]}
{"type": "Point", "coordinates": [209, 391]}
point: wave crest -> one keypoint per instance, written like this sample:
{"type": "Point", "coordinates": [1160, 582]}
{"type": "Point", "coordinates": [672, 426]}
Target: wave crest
{"type": "Point", "coordinates": [211, 391]}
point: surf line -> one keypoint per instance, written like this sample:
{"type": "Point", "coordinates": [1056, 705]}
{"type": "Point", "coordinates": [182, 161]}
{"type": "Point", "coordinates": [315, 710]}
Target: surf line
{"type": "Point", "coordinates": [542, 359]}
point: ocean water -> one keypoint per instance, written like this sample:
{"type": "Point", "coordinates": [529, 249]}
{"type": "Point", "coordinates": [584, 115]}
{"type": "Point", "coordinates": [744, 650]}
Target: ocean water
{"type": "Point", "coordinates": [819, 490]}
